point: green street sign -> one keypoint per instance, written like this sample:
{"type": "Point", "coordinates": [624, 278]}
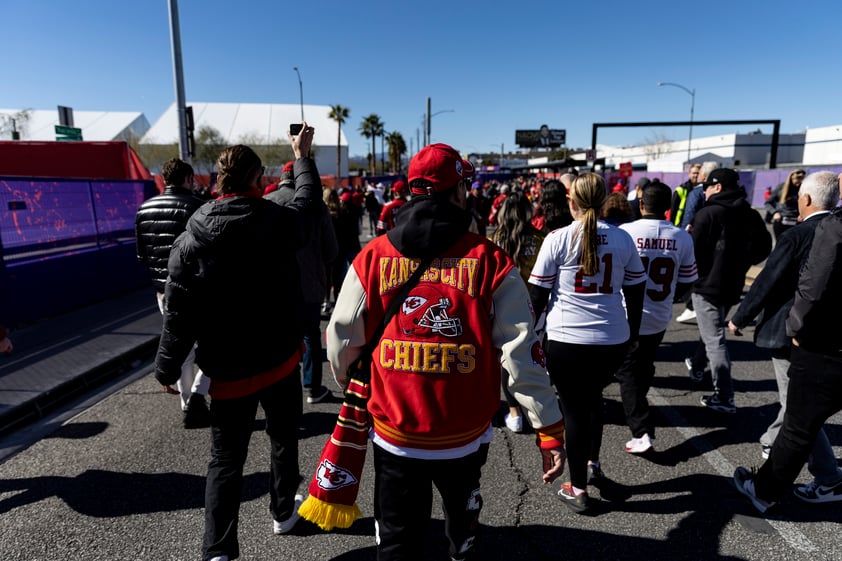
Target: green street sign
{"type": "Point", "coordinates": [68, 133]}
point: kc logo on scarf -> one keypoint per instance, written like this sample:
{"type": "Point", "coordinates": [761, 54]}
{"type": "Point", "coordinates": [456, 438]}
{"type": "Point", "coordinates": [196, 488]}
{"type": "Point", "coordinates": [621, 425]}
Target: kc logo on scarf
{"type": "Point", "coordinates": [331, 477]}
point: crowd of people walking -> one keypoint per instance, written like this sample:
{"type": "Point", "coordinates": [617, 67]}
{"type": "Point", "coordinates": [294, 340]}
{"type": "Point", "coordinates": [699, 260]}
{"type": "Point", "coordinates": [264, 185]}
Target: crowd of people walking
{"type": "Point", "coordinates": [542, 292]}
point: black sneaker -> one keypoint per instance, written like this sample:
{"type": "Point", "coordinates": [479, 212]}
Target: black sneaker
{"type": "Point", "coordinates": [695, 375]}
{"type": "Point", "coordinates": [595, 474]}
{"type": "Point", "coordinates": [318, 395]}
{"type": "Point", "coordinates": [197, 414]}
{"type": "Point", "coordinates": [744, 482]}
{"type": "Point", "coordinates": [576, 503]}
{"type": "Point", "coordinates": [815, 493]}
{"type": "Point", "coordinates": [718, 404]}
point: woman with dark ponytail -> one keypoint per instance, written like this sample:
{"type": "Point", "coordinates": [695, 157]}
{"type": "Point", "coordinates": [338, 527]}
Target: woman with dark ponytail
{"type": "Point", "coordinates": [519, 238]}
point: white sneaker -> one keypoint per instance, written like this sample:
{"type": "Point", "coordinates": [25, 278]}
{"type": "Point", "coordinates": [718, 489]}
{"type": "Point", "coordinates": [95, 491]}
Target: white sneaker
{"type": "Point", "coordinates": [686, 316]}
{"type": "Point", "coordinates": [285, 526]}
{"type": "Point", "coordinates": [640, 445]}
{"type": "Point", "coordinates": [514, 424]}
{"type": "Point", "coordinates": [219, 558]}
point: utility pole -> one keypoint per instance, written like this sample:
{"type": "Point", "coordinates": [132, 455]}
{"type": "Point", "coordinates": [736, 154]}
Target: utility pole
{"type": "Point", "coordinates": [178, 78]}
{"type": "Point", "coordinates": [427, 124]}
{"type": "Point", "coordinates": [300, 92]}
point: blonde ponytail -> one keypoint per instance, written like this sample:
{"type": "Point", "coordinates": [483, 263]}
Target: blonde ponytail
{"type": "Point", "coordinates": [588, 192]}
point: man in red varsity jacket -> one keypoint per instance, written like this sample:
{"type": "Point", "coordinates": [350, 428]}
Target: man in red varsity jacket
{"type": "Point", "coordinates": [435, 382]}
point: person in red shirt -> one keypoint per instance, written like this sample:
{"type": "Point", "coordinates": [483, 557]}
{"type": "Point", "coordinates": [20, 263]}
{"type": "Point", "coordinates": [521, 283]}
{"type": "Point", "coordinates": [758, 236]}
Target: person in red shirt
{"type": "Point", "coordinates": [387, 216]}
{"type": "Point", "coordinates": [498, 202]}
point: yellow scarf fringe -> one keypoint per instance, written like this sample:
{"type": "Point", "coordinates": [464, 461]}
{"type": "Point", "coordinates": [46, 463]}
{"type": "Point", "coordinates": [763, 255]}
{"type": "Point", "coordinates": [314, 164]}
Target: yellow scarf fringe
{"type": "Point", "coordinates": [328, 516]}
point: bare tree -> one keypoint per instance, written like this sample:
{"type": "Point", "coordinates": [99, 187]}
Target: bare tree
{"type": "Point", "coordinates": [14, 123]}
{"type": "Point", "coordinates": [274, 152]}
{"type": "Point", "coordinates": [209, 144]}
{"type": "Point", "coordinates": [656, 145]}
{"type": "Point", "coordinates": [153, 156]}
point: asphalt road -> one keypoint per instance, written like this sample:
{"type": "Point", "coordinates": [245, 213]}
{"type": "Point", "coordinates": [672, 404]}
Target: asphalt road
{"type": "Point", "coordinates": [117, 478]}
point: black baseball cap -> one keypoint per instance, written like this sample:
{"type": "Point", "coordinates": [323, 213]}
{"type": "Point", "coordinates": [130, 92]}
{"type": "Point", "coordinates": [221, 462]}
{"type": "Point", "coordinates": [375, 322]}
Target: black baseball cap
{"type": "Point", "coordinates": [728, 178]}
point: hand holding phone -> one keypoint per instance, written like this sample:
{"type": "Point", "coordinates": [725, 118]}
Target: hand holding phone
{"type": "Point", "coordinates": [302, 140]}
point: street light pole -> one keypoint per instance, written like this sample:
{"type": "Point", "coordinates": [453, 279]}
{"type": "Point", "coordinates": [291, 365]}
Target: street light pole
{"type": "Point", "coordinates": [178, 78]}
{"type": "Point", "coordinates": [300, 92]}
{"type": "Point", "coordinates": [428, 117]}
{"type": "Point", "coordinates": [692, 107]}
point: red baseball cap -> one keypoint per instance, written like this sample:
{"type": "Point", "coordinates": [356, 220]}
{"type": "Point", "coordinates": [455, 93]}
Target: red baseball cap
{"type": "Point", "coordinates": [439, 164]}
{"type": "Point", "coordinates": [399, 186]}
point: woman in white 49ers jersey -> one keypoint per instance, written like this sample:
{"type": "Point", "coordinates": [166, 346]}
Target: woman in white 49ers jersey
{"type": "Point", "coordinates": [584, 271]}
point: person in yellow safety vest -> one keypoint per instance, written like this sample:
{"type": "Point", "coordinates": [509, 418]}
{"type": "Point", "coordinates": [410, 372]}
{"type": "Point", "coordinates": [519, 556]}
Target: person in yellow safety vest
{"type": "Point", "coordinates": [679, 196]}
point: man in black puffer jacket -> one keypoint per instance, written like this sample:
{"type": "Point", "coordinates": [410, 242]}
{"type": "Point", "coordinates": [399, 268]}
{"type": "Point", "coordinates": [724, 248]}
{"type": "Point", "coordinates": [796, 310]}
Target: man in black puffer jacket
{"type": "Point", "coordinates": [234, 289]}
{"type": "Point", "coordinates": [159, 221]}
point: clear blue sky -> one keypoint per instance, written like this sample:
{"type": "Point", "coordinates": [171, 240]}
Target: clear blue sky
{"type": "Point", "coordinates": [498, 66]}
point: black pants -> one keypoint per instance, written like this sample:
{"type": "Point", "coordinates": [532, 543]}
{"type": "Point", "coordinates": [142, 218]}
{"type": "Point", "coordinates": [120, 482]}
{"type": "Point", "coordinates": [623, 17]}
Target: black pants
{"type": "Point", "coordinates": [403, 502]}
{"type": "Point", "coordinates": [635, 377]}
{"type": "Point", "coordinates": [580, 373]}
{"type": "Point", "coordinates": [232, 422]}
{"type": "Point", "coordinates": [813, 396]}
{"type": "Point", "coordinates": [510, 399]}
{"type": "Point", "coordinates": [311, 362]}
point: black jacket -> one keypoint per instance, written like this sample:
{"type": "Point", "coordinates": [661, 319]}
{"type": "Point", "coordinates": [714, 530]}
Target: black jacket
{"type": "Point", "coordinates": [773, 291]}
{"type": "Point", "coordinates": [814, 317]}
{"type": "Point", "coordinates": [729, 237]}
{"type": "Point", "coordinates": [234, 286]}
{"type": "Point", "coordinates": [788, 208]}
{"type": "Point", "coordinates": [159, 221]}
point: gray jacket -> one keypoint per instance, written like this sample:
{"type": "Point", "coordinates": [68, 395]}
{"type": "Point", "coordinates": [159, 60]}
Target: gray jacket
{"type": "Point", "coordinates": [319, 250]}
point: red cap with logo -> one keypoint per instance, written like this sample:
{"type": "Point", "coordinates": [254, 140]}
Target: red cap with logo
{"type": "Point", "coordinates": [439, 164]}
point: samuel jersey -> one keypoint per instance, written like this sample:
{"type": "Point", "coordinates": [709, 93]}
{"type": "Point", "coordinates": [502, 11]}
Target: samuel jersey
{"type": "Point", "coordinates": [587, 310]}
{"type": "Point", "coordinates": [667, 255]}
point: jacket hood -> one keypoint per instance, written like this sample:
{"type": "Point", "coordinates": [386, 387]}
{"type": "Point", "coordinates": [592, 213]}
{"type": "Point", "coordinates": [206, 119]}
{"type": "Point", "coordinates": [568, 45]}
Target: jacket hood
{"type": "Point", "coordinates": [215, 221]}
{"type": "Point", "coordinates": [427, 227]}
{"type": "Point", "coordinates": [729, 198]}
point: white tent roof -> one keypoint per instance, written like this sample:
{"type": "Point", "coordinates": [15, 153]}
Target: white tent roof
{"type": "Point", "coordinates": [250, 122]}
{"type": "Point", "coordinates": [96, 125]}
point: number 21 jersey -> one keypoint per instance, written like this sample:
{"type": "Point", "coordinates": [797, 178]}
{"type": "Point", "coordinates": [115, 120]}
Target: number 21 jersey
{"type": "Point", "coordinates": [587, 310]}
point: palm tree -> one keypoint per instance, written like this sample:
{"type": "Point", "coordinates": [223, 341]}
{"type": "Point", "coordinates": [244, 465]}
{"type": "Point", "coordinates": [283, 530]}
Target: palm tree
{"type": "Point", "coordinates": [397, 148]}
{"type": "Point", "coordinates": [381, 132]}
{"type": "Point", "coordinates": [372, 127]}
{"type": "Point", "coordinates": [338, 114]}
